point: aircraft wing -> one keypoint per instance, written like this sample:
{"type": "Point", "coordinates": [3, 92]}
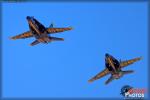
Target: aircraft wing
{"type": "Point", "coordinates": [57, 30]}
{"type": "Point", "coordinates": [34, 43]}
{"type": "Point", "coordinates": [128, 62]}
{"type": "Point", "coordinates": [23, 35]}
{"type": "Point", "coordinates": [100, 75]}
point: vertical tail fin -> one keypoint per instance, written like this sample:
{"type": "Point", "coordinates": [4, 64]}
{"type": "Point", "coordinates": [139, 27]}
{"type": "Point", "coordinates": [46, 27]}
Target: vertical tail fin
{"type": "Point", "coordinates": [51, 25]}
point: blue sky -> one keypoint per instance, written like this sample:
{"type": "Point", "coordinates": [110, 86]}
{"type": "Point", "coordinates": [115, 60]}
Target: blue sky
{"type": "Point", "coordinates": [62, 69]}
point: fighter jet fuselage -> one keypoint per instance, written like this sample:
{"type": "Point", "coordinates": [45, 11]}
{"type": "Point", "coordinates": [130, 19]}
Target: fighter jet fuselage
{"type": "Point", "coordinates": [38, 30]}
{"type": "Point", "coordinates": [113, 66]}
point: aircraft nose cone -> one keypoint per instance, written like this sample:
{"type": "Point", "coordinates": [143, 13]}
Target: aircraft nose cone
{"type": "Point", "coordinates": [28, 18]}
{"type": "Point", "coordinates": [107, 55]}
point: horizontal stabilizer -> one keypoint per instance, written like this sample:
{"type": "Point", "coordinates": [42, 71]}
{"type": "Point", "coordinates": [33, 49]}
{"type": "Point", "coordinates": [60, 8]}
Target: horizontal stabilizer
{"type": "Point", "coordinates": [56, 39]}
{"type": "Point", "coordinates": [35, 43]}
{"type": "Point", "coordinates": [127, 72]}
{"type": "Point", "coordinates": [109, 80]}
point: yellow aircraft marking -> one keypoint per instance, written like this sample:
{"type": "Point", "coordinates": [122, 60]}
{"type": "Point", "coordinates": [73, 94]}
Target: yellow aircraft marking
{"type": "Point", "coordinates": [128, 62]}
{"type": "Point", "coordinates": [110, 62]}
{"type": "Point", "coordinates": [54, 30]}
{"type": "Point", "coordinates": [32, 25]}
{"type": "Point", "coordinates": [23, 35]}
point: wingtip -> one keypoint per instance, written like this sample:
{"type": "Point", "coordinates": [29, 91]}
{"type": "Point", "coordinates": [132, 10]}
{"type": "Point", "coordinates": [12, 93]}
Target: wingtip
{"type": "Point", "coordinates": [31, 45]}
{"type": "Point", "coordinates": [90, 81]}
{"type": "Point", "coordinates": [11, 38]}
{"type": "Point", "coordinates": [63, 39]}
{"type": "Point", "coordinates": [71, 28]}
{"type": "Point", "coordinates": [141, 57]}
